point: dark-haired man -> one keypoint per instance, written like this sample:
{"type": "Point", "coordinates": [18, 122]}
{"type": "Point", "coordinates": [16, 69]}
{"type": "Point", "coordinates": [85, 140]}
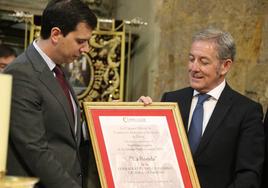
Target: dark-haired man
{"type": "Point", "coordinates": [7, 55]}
{"type": "Point", "coordinates": [45, 131]}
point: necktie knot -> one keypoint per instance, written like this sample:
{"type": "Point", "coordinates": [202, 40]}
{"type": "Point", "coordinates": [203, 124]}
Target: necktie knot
{"type": "Point", "coordinates": [202, 98]}
{"type": "Point", "coordinates": [58, 71]}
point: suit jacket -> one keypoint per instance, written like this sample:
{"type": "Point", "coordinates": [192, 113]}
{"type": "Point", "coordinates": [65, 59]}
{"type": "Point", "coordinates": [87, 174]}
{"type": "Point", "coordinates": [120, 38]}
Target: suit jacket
{"type": "Point", "coordinates": [265, 171]}
{"type": "Point", "coordinates": [231, 151]}
{"type": "Point", "coordinates": [43, 142]}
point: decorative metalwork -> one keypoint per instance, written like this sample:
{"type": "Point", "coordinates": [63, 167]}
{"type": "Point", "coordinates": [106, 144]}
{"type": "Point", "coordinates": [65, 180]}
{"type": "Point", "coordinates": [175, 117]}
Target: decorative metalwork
{"type": "Point", "coordinates": [99, 75]}
{"type": "Point", "coordinates": [32, 31]}
{"type": "Point", "coordinates": [102, 8]}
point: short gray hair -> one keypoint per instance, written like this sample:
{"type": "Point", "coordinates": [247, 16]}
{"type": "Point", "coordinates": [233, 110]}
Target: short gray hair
{"type": "Point", "coordinates": [224, 42]}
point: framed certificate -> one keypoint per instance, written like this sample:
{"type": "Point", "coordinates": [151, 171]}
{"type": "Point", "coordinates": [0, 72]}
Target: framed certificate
{"type": "Point", "coordinates": [140, 146]}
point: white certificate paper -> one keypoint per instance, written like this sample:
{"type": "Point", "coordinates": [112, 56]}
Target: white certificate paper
{"type": "Point", "coordinates": [141, 152]}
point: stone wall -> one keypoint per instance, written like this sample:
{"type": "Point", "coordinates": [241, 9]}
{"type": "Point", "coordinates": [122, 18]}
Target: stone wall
{"type": "Point", "coordinates": [175, 21]}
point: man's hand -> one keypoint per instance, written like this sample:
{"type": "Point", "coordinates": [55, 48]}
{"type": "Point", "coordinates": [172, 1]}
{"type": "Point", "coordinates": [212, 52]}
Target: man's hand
{"type": "Point", "coordinates": [146, 100]}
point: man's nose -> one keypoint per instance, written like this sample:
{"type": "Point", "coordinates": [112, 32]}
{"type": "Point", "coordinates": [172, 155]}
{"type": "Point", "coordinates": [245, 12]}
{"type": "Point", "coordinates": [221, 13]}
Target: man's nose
{"type": "Point", "coordinates": [85, 48]}
{"type": "Point", "coordinates": [195, 65]}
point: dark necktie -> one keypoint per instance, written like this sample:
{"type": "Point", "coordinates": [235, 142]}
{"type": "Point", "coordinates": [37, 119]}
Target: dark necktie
{"type": "Point", "coordinates": [195, 131]}
{"type": "Point", "coordinates": [63, 83]}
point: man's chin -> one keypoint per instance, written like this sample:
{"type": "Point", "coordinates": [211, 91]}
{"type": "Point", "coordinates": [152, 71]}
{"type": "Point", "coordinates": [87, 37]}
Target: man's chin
{"type": "Point", "coordinates": [195, 86]}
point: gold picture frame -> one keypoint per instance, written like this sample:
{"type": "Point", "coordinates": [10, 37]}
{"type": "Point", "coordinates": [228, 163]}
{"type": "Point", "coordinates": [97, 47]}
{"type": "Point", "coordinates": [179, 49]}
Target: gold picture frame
{"type": "Point", "coordinates": [140, 146]}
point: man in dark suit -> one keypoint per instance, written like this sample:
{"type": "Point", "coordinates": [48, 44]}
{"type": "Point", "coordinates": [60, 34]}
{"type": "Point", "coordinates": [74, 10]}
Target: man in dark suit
{"type": "Point", "coordinates": [265, 170]}
{"type": "Point", "coordinates": [45, 131]}
{"type": "Point", "coordinates": [228, 145]}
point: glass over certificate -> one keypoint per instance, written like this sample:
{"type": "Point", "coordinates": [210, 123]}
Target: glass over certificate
{"type": "Point", "coordinates": [140, 147]}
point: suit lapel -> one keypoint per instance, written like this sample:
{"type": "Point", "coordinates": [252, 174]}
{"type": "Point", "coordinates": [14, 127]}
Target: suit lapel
{"type": "Point", "coordinates": [221, 109]}
{"type": "Point", "coordinates": [185, 101]}
{"type": "Point", "coordinates": [47, 78]}
{"type": "Point", "coordinates": [78, 113]}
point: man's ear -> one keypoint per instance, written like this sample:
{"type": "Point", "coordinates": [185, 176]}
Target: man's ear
{"type": "Point", "coordinates": [225, 66]}
{"type": "Point", "coordinates": [55, 35]}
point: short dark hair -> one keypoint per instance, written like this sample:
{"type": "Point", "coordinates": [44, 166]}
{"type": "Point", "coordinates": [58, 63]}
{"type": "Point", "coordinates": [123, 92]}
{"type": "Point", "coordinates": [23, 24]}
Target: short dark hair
{"type": "Point", "coordinates": [224, 42]}
{"type": "Point", "coordinates": [66, 14]}
{"type": "Point", "coordinates": [6, 51]}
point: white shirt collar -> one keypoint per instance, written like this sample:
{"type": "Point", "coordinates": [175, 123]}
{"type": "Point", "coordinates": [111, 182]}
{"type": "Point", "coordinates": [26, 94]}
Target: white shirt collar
{"type": "Point", "coordinates": [48, 61]}
{"type": "Point", "coordinates": [216, 92]}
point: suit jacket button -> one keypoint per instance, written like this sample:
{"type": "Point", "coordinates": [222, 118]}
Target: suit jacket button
{"type": "Point", "coordinates": [79, 175]}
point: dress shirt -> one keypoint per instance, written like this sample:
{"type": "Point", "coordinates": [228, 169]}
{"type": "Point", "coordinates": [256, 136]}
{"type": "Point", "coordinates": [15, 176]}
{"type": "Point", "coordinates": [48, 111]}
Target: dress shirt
{"type": "Point", "coordinates": [208, 105]}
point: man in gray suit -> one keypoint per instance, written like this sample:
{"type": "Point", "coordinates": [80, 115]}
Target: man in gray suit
{"type": "Point", "coordinates": [45, 131]}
